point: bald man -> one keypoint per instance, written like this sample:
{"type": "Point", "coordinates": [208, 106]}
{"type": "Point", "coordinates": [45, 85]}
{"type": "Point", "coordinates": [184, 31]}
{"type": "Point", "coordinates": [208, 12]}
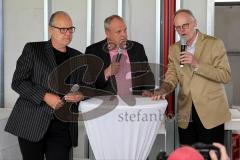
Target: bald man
{"type": "Point", "coordinates": [40, 133]}
{"type": "Point", "coordinates": [131, 73]}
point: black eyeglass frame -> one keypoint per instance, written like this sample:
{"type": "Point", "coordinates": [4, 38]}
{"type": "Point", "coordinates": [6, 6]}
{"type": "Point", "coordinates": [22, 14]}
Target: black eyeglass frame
{"type": "Point", "coordinates": [64, 30]}
{"type": "Point", "coordinates": [184, 26]}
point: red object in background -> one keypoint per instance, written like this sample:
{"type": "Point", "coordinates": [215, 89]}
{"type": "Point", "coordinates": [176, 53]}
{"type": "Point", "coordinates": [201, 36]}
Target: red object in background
{"type": "Point", "coordinates": [235, 146]}
{"type": "Point", "coordinates": [169, 39]}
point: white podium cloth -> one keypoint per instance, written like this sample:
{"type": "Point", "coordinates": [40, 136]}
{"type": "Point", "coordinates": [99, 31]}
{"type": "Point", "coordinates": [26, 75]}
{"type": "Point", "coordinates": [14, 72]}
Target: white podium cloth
{"type": "Point", "coordinates": [126, 132]}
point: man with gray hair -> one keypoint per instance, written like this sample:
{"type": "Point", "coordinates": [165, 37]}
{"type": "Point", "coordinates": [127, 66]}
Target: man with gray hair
{"type": "Point", "coordinates": [201, 70]}
{"type": "Point", "coordinates": [126, 70]}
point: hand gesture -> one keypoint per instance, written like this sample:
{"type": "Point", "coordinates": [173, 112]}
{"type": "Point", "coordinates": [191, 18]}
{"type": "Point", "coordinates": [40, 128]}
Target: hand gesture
{"type": "Point", "coordinates": [52, 100]}
{"type": "Point", "coordinates": [112, 69]}
{"type": "Point", "coordinates": [74, 97]}
{"type": "Point", "coordinates": [158, 94]}
{"type": "Point", "coordinates": [147, 93]}
{"type": "Point", "coordinates": [188, 58]}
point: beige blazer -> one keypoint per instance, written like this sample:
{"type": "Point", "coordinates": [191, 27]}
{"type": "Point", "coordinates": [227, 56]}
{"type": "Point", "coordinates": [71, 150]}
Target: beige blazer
{"type": "Point", "coordinates": [204, 87]}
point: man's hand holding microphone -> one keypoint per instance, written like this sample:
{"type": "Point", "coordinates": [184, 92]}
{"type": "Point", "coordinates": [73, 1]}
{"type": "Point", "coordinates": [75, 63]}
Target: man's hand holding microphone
{"type": "Point", "coordinates": [186, 57]}
{"type": "Point", "coordinates": [114, 67]}
{"type": "Point", "coordinates": [55, 102]}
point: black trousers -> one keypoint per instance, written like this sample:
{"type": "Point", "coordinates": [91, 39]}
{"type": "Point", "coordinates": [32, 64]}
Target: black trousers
{"type": "Point", "coordinates": [55, 145]}
{"type": "Point", "coordinates": [196, 132]}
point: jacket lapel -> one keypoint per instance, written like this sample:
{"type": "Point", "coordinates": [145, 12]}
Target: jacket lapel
{"type": "Point", "coordinates": [52, 79]}
{"type": "Point", "coordinates": [199, 47]}
{"type": "Point", "coordinates": [105, 55]}
{"type": "Point", "coordinates": [50, 55]}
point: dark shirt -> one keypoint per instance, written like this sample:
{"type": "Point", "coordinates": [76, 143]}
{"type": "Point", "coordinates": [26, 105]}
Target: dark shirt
{"type": "Point", "coordinates": [60, 57]}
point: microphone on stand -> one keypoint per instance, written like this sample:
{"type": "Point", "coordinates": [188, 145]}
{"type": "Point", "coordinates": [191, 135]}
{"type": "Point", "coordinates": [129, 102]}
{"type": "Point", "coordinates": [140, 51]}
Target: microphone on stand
{"type": "Point", "coordinates": [119, 55]}
{"type": "Point", "coordinates": [183, 48]}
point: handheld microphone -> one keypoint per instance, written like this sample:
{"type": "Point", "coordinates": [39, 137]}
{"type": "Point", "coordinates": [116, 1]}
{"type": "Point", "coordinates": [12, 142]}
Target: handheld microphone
{"type": "Point", "coordinates": [74, 88]}
{"type": "Point", "coordinates": [183, 48]}
{"type": "Point", "coordinates": [119, 55]}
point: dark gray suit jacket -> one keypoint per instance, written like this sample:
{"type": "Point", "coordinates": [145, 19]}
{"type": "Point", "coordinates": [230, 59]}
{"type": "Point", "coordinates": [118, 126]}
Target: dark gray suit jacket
{"type": "Point", "coordinates": [31, 116]}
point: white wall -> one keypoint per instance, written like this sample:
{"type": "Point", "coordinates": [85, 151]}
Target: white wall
{"type": "Point", "coordinates": [199, 9]}
{"type": "Point", "coordinates": [141, 23]}
{"type": "Point", "coordinates": [23, 22]}
{"type": "Point", "coordinates": [77, 9]}
{"type": "Point", "coordinates": [103, 9]}
{"type": "Point", "coordinates": [140, 27]}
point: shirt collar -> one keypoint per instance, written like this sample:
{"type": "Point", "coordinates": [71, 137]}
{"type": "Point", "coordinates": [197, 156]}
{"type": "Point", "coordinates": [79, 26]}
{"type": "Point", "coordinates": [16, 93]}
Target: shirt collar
{"type": "Point", "coordinates": [194, 42]}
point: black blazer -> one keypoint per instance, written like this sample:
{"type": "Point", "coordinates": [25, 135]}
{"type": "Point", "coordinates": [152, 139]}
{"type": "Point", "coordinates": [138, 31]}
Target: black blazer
{"type": "Point", "coordinates": [31, 116]}
{"type": "Point", "coordinates": [142, 77]}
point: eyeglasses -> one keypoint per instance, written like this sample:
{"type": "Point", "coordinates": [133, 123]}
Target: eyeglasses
{"type": "Point", "coordinates": [64, 30]}
{"type": "Point", "coordinates": [184, 26]}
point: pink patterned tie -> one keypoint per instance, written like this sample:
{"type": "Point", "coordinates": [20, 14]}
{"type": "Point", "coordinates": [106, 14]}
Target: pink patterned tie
{"type": "Point", "coordinates": [123, 77]}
